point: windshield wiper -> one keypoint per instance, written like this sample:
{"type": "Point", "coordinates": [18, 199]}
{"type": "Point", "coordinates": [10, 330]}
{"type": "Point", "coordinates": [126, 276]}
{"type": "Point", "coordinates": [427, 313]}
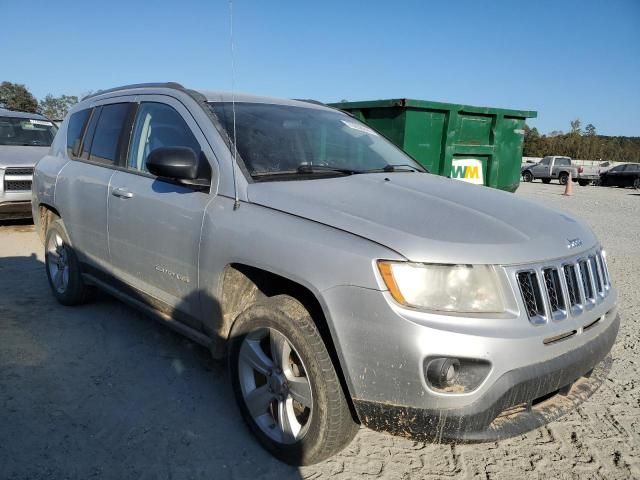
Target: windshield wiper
{"type": "Point", "coordinates": [395, 168]}
{"type": "Point", "coordinates": [306, 168]}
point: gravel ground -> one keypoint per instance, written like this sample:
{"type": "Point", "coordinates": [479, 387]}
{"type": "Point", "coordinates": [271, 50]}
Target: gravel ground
{"type": "Point", "coordinates": [100, 391]}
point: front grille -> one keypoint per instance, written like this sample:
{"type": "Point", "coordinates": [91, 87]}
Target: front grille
{"type": "Point", "coordinates": [18, 179]}
{"type": "Point", "coordinates": [551, 292]}
{"type": "Point", "coordinates": [19, 171]}
{"type": "Point", "coordinates": [16, 185]}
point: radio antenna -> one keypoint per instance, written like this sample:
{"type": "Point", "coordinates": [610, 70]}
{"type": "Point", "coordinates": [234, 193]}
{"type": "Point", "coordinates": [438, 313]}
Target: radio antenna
{"type": "Point", "coordinates": [236, 202]}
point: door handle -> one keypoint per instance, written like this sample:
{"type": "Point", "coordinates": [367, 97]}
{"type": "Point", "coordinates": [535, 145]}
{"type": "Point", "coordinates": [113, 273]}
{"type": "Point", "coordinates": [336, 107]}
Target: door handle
{"type": "Point", "coordinates": [121, 193]}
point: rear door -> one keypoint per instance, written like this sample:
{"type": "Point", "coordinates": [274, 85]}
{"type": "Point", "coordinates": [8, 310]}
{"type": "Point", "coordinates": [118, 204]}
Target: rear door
{"type": "Point", "coordinates": [560, 164]}
{"type": "Point", "coordinates": [94, 141]}
{"type": "Point", "coordinates": [155, 224]}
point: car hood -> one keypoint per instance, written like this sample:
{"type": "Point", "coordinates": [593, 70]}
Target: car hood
{"type": "Point", "coordinates": [427, 218]}
{"type": "Point", "coordinates": [21, 156]}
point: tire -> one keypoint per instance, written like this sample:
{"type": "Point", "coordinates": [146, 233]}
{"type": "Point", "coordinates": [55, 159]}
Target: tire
{"type": "Point", "coordinates": [546, 180]}
{"type": "Point", "coordinates": [636, 183]}
{"type": "Point", "coordinates": [527, 176]}
{"type": "Point", "coordinates": [563, 178]}
{"type": "Point", "coordinates": [62, 266]}
{"type": "Point", "coordinates": [584, 183]}
{"type": "Point", "coordinates": [317, 430]}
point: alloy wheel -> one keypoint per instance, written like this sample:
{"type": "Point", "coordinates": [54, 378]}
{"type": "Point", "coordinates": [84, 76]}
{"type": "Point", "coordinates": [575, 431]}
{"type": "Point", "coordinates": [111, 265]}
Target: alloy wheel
{"type": "Point", "coordinates": [275, 387]}
{"type": "Point", "coordinates": [58, 262]}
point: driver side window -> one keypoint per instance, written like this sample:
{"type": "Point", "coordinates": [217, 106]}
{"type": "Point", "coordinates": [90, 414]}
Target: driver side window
{"type": "Point", "coordinates": [157, 125]}
{"type": "Point", "coordinates": [545, 161]}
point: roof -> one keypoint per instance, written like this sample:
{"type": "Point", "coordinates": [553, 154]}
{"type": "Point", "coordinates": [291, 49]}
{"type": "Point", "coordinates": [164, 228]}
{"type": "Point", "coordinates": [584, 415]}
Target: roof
{"type": "Point", "coordinates": [212, 96]}
{"type": "Point", "coordinates": [12, 113]}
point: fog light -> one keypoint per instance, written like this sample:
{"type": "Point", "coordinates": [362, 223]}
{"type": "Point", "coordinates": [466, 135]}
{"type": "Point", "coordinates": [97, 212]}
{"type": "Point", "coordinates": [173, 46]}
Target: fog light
{"type": "Point", "coordinates": [443, 372]}
{"type": "Point", "coordinates": [455, 375]}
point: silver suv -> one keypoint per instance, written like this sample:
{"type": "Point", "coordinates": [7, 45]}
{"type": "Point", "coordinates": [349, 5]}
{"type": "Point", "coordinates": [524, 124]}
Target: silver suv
{"type": "Point", "coordinates": [345, 284]}
{"type": "Point", "coordinates": [24, 139]}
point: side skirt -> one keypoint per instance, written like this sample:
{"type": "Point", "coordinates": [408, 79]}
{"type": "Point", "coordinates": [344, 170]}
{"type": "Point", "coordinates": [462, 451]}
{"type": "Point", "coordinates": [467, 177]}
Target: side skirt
{"type": "Point", "coordinates": [149, 305]}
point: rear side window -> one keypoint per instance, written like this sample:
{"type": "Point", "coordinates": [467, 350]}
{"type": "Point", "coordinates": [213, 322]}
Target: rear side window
{"type": "Point", "coordinates": [158, 125]}
{"type": "Point", "coordinates": [74, 131]}
{"type": "Point", "coordinates": [106, 139]}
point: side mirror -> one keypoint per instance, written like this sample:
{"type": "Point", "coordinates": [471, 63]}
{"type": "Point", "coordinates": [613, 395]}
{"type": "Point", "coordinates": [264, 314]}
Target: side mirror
{"type": "Point", "coordinates": [179, 163]}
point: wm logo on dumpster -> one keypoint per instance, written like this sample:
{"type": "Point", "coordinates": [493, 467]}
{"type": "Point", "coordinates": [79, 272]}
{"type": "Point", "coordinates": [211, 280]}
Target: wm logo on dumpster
{"type": "Point", "coordinates": [468, 170]}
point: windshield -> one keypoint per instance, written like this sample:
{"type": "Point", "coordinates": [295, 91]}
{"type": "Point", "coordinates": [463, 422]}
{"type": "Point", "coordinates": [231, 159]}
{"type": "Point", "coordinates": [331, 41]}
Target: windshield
{"type": "Point", "coordinates": [281, 139]}
{"type": "Point", "coordinates": [26, 131]}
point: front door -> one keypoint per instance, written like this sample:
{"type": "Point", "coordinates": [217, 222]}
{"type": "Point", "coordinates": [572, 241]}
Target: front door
{"type": "Point", "coordinates": [154, 225]}
{"type": "Point", "coordinates": [542, 169]}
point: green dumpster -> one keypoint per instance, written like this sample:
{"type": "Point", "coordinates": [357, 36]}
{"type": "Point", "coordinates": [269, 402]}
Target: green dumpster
{"type": "Point", "coordinates": [475, 144]}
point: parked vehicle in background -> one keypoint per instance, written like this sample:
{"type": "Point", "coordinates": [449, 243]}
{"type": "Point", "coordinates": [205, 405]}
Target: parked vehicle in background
{"type": "Point", "coordinates": [627, 175]}
{"type": "Point", "coordinates": [305, 254]}
{"type": "Point", "coordinates": [560, 168]}
{"type": "Point", "coordinates": [24, 139]}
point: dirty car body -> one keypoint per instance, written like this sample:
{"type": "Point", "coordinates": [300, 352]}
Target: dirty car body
{"type": "Point", "coordinates": [24, 139]}
{"type": "Point", "coordinates": [452, 311]}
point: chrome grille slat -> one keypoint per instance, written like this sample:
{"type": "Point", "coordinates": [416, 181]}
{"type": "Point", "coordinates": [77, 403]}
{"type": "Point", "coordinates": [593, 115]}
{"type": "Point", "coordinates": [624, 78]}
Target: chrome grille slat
{"type": "Point", "coordinates": [19, 171]}
{"type": "Point", "coordinates": [555, 293]}
{"type": "Point", "coordinates": [532, 295]}
{"type": "Point", "coordinates": [567, 286]}
{"type": "Point", "coordinates": [586, 280]}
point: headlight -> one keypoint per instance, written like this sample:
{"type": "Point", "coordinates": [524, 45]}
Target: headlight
{"type": "Point", "coordinates": [449, 288]}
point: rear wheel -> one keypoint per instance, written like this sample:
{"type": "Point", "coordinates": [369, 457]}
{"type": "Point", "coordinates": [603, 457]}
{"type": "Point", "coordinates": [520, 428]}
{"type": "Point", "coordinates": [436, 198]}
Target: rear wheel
{"type": "Point", "coordinates": [63, 268]}
{"type": "Point", "coordinates": [563, 178]}
{"type": "Point", "coordinates": [285, 383]}
{"type": "Point", "coordinates": [527, 176]}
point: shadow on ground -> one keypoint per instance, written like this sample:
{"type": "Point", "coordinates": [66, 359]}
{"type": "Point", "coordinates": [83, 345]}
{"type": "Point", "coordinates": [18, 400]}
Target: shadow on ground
{"type": "Point", "coordinates": [102, 391]}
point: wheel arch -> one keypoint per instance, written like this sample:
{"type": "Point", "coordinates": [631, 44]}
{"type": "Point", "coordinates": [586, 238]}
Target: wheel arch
{"type": "Point", "coordinates": [46, 214]}
{"type": "Point", "coordinates": [243, 284]}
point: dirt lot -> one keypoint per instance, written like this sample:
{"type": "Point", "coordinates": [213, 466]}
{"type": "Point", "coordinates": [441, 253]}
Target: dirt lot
{"type": "Point", "coordinates": [100, 391]}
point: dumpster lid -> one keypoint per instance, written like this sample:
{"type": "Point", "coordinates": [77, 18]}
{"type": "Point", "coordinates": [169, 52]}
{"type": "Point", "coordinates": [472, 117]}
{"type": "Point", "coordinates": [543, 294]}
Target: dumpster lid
{"type": "Point", "coordinates": [429, 105]}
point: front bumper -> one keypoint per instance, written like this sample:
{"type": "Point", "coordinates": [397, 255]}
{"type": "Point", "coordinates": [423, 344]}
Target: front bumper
{"type": "Point", "coordinates": [520, 400]}
{"type": "Point", "coordinates": [382, 349]}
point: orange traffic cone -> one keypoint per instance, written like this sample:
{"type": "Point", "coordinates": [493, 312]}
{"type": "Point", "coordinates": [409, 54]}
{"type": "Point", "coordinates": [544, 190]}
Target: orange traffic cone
{"type": "Point", "coordinates": [568, 188]}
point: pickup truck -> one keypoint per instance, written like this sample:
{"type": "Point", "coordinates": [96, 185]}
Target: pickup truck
{"type": "Point", "coordinates": [560, 168]}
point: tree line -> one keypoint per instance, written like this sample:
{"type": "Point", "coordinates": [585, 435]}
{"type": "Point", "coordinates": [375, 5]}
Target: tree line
{"type": "Point", "coordinates": [15, 96]}
{"type": "Point", "coordinates": [581, 144]}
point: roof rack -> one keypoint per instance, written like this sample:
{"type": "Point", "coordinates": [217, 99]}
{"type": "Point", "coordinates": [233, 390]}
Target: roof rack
{"type": "Point", "coordinates": [174, 85]}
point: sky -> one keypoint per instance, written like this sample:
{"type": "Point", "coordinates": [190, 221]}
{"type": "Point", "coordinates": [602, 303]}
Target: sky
{"type": "Point", "coordinates": [564, 59]}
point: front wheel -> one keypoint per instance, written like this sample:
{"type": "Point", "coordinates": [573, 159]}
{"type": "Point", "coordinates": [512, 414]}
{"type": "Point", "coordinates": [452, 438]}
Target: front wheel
{"type": "Point", "coordinates": [527, 176]}
{"type": "Point", "coordinates": [285, 383]}
{"type": "Point", "coordinates": [584, 183]}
